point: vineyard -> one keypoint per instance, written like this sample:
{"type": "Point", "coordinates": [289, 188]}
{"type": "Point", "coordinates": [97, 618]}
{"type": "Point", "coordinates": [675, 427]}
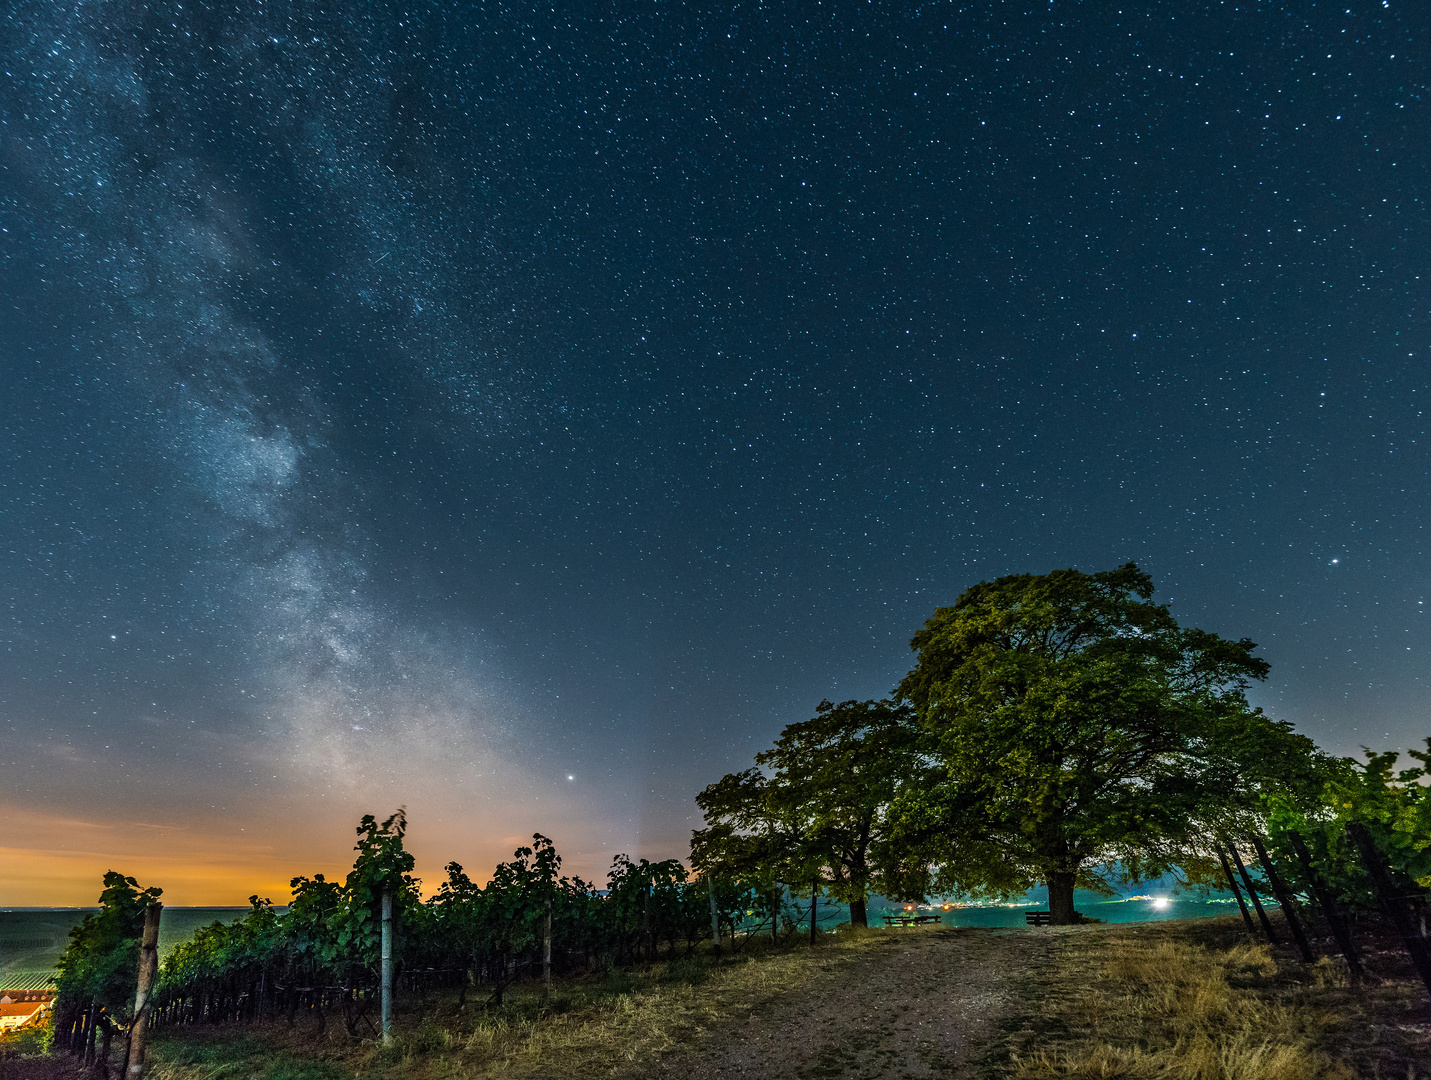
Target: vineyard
{"type": "Point", "coordinates": [322, 956]}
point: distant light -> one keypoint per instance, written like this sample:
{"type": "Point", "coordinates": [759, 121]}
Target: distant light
{"type": "Point", "coordinates": [1160, 902]}
{"type": "Point", "coordinates": [571, 778]}
{"type": "Point", "coordinates": [1335, 561]}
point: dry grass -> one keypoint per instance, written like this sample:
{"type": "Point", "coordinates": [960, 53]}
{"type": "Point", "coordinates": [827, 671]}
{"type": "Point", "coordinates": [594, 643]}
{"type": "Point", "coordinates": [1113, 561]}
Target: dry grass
{"type": "Point", "coordinates": [1157, 1003]}
{"type": "Point", "coordinates": [613, 1025]}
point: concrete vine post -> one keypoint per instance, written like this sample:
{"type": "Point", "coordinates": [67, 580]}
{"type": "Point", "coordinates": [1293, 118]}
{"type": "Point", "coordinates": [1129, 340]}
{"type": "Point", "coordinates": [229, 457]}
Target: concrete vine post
{"type": "Point", "coordinates": [715, 916]}
{"type": "Point", "coordinates": [547, 953]}
{"type": "Point", "coordinates": [1391, 901]}
{"type": "Point", "coordinates": [387, 968]}
{"type": "Point", "coordinates": [148, 969]}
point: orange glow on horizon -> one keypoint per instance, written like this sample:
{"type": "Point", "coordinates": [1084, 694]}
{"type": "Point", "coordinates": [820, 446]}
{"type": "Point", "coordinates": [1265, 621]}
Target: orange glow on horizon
{"type": "Point", "coordinates": [58, 860]}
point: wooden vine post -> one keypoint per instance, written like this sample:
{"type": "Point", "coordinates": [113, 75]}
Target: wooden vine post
{"type": "Point", "coordinates": [1323, 896]}
{"type": "Point", "coordinates": [1232, 883]}
{"type": "Point", "coordinates": [387, 968]}
{"type": "Point", "coordinates": [148, 969]}
{"type": "Point", "coordinates": [1396, 909]}
{"type": "Point", "coordinates": [1284, 898]}
{"type": "Point", "coordinates": [1252, 892]}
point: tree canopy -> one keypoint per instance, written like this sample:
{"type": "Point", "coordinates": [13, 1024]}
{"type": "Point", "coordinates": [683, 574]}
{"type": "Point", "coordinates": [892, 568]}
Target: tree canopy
{"type": "Point", "coordinates": [1073, 724]}
{"type": "Point", "coordinates": [818, 811]}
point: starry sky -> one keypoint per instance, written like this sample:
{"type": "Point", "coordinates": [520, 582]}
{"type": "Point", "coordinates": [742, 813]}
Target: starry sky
{"type": "Point", "coordinates": [521, 412]}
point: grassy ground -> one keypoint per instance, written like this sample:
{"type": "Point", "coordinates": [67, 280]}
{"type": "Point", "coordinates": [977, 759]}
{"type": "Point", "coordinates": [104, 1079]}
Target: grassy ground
{"type": "Point", "coordinates": [1175, 1001]}
{"type": "Point", "coordinates": [603, 1025]}
{"type": "Point", "coordinates": [1203, 1001]}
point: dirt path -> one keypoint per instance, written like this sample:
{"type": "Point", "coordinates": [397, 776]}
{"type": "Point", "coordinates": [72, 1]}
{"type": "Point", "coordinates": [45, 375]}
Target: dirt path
{"type": "Point", "coordinates": [905, 1008]}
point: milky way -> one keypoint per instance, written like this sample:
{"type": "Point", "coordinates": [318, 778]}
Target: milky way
{"type": "Point", "coordinates": [426, 405]}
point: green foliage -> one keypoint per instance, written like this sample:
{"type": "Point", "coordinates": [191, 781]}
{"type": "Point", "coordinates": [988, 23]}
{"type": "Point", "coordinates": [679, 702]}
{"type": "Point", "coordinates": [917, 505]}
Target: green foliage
{"type": "Point", "coordinates": [1076, 726]}
{"type": "Point", "coordinates": [383, 865]}
{"type": "Point", "coordinates": [1395, 807]}
{"type": "Point", "coordinates": [101, 962]}
{"type": "Point", "coordinates": [836, 774]}
{"type": "Point", "coordinates": [818, 812]}
{"type": "Point", "coordinates": [331, 933]}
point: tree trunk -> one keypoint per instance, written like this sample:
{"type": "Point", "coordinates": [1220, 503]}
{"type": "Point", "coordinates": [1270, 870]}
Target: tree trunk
{"type": "Point", "coordinates": [858, 916]}
{"type": "Point", "coordinates": [1060, 898]}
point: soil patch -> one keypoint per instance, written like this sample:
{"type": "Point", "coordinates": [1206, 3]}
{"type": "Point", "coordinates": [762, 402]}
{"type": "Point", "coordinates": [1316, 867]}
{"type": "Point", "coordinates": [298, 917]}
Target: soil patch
{"type": "Point", "coordinates": [911, 1004]}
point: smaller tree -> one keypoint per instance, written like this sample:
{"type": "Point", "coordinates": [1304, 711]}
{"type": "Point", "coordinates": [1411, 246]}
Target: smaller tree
{"type": "Point", "coordinates": [835, 775]}
{"type": "Point", "coordinates": [753, 836]}
{"type": "Point", "coordinates": [816, 816]}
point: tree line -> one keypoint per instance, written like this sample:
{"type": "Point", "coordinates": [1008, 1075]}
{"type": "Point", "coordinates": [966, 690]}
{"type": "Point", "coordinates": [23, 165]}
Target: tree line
{"type": "Point", "coordinates": [1060, 730]}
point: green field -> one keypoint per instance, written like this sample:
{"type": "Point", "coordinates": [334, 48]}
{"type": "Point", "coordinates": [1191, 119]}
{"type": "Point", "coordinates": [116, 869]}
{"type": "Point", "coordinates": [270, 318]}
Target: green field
{"type": "Point", "coordinates": [31, 940]}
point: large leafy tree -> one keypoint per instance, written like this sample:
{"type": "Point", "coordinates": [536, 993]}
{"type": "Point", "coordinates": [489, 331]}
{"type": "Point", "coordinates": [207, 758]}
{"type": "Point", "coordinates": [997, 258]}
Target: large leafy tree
{"type": "Point", "coordinates": [817, 810]}
{"type": "Point", "coordinates": [1075, 726]}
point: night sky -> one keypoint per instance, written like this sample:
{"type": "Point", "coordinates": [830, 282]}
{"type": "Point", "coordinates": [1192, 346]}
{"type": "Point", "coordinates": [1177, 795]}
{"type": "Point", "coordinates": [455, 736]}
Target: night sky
{"type": "Point", "coordinates": [520, 413]}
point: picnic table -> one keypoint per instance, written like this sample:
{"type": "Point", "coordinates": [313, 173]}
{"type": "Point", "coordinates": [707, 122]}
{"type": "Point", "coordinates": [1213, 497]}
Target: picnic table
{"type": "Point", "coordinates": [903, 918]}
